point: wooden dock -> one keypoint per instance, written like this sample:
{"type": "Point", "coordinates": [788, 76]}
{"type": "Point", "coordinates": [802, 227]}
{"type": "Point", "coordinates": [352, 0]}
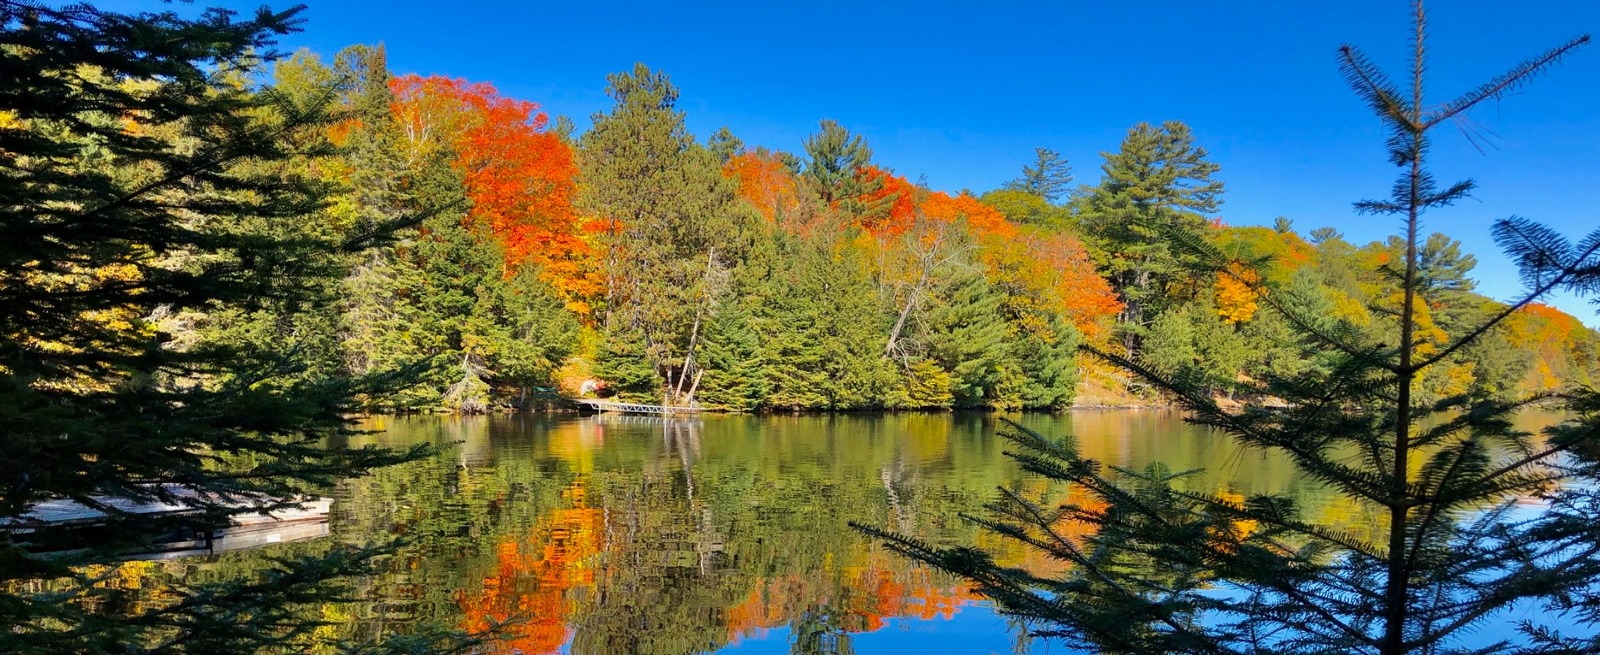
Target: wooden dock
{"type": "Point", "coordinates": [256, 524]}
{"type": "Point", "coordinates": [636, 408]}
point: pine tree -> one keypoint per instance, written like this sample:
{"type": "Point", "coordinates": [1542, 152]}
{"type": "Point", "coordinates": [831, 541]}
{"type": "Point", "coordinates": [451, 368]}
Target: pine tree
{"type": "Point", "coordinates": [146, 182]}
{"type": "Point", "coordinates": [1169, 569]}
{"type": "Point", "coordinates": [966, 334]}
{"type": "Point", "coordinates": [1048, 177]}
{"type": "Point", "coordinates": [673, 224]}
{"type": "Point", "coordinates": [821, 330]}
{"type": "Point", "coordinates": [1158, 180]}
{"type": "Point", "coordinates": [836, 172]}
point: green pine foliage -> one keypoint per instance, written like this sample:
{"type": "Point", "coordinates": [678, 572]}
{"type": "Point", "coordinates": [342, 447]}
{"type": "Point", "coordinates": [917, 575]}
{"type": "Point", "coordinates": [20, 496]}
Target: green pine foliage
{"type": "Point", "coordinates": [966, 334]}
{"type": "Point", "coordinates": [1158, 180]}
{"type": "Point", "coordinates": [160, 304]}
{"type": "Point", "coordinates": [1049, 177]}
{"type": "Point", "coordinates": [1044, 374]}
{"type": "Point", "coordinates": [674, 229]}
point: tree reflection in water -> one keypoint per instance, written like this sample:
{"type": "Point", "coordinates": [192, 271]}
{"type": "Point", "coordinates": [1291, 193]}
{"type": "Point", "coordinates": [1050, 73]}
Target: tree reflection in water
{"type": "Point", "coordinates": [610, 535]}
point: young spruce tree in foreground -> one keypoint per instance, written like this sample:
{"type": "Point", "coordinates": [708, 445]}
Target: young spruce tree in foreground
{"type": "Point", "coordinates": [1157, 568]}
{"type": "Point", "coordinates": [145, 191]}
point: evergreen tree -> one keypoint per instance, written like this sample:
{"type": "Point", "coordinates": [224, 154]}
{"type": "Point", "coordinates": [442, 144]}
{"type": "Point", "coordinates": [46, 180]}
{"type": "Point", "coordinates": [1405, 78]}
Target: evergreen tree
{"type": "Point", "coordinates": [145, 184]}
{"type": "Point", "coordinates": [1048, 177]}
{"type": "Point", "coordinates": [836, 156]}
{"type": "Point", "coordinates": [733, 360]}
{"type": "Point", "coordinates": [1159, 180]}
{"type": "Point", "coordinates": [1174, 570]}
{"type": "Point", "coordinates": [1190, 342]}
{"type": "Point", "coordinates": [1044, 350]}
{"type": "Point", "coordinates": [835, 172]}
{"type": "Point", "coordinates": [821, 330]}
{"type": "Point", "coordinates": [966, 334]}
{"type": "Point", "coordinates": [674, 227]}
{"type": "Point", "coordinates": [724, 144]}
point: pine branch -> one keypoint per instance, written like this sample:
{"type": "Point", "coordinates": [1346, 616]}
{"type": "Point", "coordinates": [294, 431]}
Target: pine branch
{"type": "Point", "coordinates": [1505, 83]}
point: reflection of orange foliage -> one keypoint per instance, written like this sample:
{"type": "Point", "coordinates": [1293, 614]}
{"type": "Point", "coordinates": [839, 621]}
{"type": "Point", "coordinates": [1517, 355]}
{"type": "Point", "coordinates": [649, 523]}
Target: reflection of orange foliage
{"type": "Point", "coordinates": [1229, 539]}
{"type": "Point", "coordinates": [530, 582]}
{"type": "Point", "coordinates": [764, 182]}
{"type": "Point", "coordinates": [520, 177]}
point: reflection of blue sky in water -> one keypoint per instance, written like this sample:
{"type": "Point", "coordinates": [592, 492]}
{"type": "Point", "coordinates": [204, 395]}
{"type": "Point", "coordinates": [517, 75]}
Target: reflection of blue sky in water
{"type": "Point", "coordinates": [974, 630]}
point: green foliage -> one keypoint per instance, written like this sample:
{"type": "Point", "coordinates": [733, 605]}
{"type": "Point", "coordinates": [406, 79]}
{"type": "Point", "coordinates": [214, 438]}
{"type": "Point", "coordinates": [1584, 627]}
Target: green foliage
{"type": "Point", "coordinates": [1046, 367]}
{"type": "Point", "coordinates": [733, 361]}
{"type": "Point", "coordinates": [624, 362]}
{"type": "Point", "coordinates": [834, 170]}
{"type": "Point", "coordinates": [150, 191]}
{"type": "Point", "coordinates": [1030, 209]}
{"type": "Point", "coordinates": [1047, 178]}
{"type": "Point", "coordinates": [821, 330]}
{"type": "Point", "coordinates": [675, 228]}
{"type": "Point", "coordinates": [966, 334]}
{"type": "Point", "coordinates": [1191, 343]}
{"type": "Point", "coordinates": [1157, 182]}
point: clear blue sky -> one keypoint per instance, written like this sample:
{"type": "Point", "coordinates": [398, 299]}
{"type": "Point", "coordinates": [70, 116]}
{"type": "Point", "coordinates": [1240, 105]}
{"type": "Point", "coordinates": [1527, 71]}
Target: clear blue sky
{"type": "Point", "coordinates": [962, 92]}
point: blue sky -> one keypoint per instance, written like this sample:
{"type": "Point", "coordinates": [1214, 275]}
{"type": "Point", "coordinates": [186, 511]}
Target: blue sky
{"type": "Point", "coordinates": [962, 92]}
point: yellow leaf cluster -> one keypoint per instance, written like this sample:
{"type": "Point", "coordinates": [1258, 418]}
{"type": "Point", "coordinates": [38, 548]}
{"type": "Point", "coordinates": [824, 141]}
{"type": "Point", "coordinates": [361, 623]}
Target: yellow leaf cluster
{"type": "Point", "coordinates": [1236, 294]}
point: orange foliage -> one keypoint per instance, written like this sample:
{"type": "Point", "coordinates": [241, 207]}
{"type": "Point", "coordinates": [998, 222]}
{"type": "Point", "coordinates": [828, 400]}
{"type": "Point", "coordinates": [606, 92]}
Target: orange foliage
{"type": "Point", "coordinates": [520, 178]}
{"type": "Point", "coordinates": [1287, 250]}
{"type": "Point", "coordinates": [902, 211]}
{"type": "Point", "coordinates": [530, 582]}
{"type": "Point", "coordinates": [1052, 271]}
{"type": "Point", "coordinates": [1087, 298]}
{"type": "Point", "coordinates": [985, 221]}
{"type": "Point", "coordinates": [764, 182]}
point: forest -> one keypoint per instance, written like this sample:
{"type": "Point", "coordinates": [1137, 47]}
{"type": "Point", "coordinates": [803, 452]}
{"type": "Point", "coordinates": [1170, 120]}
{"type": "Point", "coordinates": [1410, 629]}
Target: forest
{"type": "Point", "coordinates": [637, 261]}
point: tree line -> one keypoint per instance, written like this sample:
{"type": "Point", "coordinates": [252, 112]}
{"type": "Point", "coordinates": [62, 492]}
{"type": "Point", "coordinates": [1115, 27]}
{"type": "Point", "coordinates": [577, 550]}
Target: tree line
{"type": "Point", "coordinates": [639, 261]}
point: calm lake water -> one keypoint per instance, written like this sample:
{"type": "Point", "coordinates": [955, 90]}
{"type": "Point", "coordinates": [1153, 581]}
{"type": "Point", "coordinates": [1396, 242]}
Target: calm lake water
{"type": "Point", "coordinates": [725, 534]}
{"type": "Point", "coordinates": [721, 534]}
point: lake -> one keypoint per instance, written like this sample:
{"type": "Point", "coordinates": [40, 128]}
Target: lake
{"type": "Point", "coordinates": [724, 534]}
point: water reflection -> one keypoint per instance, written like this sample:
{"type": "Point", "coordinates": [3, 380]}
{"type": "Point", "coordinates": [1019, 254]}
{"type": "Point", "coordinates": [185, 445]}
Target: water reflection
{"type": "Point", "coordinates": [649, 535]}
{"type": "Point", "coordinates": [658, 535]}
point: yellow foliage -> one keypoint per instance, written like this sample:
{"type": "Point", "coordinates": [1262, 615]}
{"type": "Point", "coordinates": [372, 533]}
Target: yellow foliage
{"type": "Point", "coordinates": [1236, 294]}
{"type": "Point", "coordinates": [1349, 309]}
